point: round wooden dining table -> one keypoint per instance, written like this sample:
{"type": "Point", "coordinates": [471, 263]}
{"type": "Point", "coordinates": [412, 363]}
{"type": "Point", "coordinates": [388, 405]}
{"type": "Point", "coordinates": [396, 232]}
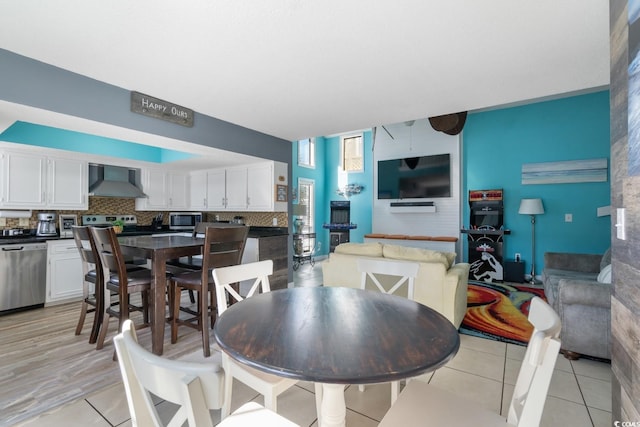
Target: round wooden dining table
{"type": "Point", "coordinates": [336, 336]}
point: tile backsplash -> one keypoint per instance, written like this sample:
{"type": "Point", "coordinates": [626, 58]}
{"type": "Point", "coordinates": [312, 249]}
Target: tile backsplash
{"type": "Point", "coordinates": [119, 206]}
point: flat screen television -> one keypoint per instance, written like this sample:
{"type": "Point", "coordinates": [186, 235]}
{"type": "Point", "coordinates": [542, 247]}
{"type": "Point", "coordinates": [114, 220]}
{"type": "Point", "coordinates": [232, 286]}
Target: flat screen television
{"type": "Point", "coordinates": [415, 177]}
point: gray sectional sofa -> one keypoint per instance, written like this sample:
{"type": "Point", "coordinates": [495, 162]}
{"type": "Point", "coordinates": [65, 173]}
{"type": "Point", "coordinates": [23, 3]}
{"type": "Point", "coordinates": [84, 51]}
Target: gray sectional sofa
{"type": "Point", "coordinates": [576, 287]}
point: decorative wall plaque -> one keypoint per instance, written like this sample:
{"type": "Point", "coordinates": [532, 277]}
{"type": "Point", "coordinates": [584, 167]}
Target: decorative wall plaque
{"type": "Point", "coordinates": [159, 109]}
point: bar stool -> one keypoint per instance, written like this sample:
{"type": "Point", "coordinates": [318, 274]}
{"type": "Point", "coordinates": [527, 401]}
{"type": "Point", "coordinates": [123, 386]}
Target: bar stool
{"type": "Point", "coordinates": [223, 246]}
{"type": "Point", "coordinates": [92, 299]}
{"type": "Point", "coordinates": [118, 281]}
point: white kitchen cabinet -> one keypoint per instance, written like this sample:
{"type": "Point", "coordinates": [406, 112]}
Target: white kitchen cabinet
{"type": "Point", "coordinates": [67, 184]}
{"type": "Point", "coordinates": [154, 185]}
{"type": "Point", "coordinates": [24, 180]}
{"type": "Point", "coordinates": [207, 190]}
{"type": "Point", "coordinates": [198, 190]}
{"type": "Point", "coordinates": [236, 189]}
{"type": "Point", "coordinates": [32, 181]}
{"type": "Point", "coordinates": [216, 192]}
{"type": "Point", "coordinates": [242, 189]}
{"type": "Point", "coordinates": [262, 180]}
{"type": "Point", "coordinates": [178, 186]}
{"type": "Point", "coordinates": [260, 185]}
{"type": "Point", "coordinates": [164, 190]}
{"type": "Point", "coordinates": [64, 271]}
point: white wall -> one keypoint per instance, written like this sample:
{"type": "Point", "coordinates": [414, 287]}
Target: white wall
{"type": "Point", "coordinates": [412, 141]}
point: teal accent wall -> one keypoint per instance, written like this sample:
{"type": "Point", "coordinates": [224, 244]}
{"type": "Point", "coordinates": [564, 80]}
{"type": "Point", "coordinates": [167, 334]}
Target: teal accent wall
{"type": "Point", "coordinates": [51, 137]}
{"type": "Point", "coordinates": [328, 177]}
{"type": "Point", "coordinates": [361, 204]}
{"type": "Point", "coordinates": [497, 143]}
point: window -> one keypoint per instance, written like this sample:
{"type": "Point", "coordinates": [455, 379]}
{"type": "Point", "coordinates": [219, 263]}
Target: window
{"type": "Point", "coordinates": [352, 153]}
{"type": "Point", "coordinates": [307, 153]}
{"type": "Point", "coordinates": [306, 203]}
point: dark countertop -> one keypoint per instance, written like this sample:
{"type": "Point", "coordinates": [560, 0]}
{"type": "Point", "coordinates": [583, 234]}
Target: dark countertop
{"type": "Point", "coordinates": [255, 232]}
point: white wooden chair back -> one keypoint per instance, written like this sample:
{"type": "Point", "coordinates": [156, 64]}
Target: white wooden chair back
{"type": "Point", "coordinates": [195, 387]}
{"type": "Point", "coordinates": [537, 366]}
{"type": "Point", "coordinates": [405, 271]}
{"type": "Point", "coordinates": [224, 277]}
{"type": "Point", "coordinates": [423, 405]}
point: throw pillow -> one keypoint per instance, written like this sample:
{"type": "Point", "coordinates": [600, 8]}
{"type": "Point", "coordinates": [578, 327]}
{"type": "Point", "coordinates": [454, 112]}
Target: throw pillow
{"type": "Point", "coordinates": [415, 254]}
{"type": "Point", "coordinates": [363, 249]}
{"type": "Point", "coordinates": [605, 274]}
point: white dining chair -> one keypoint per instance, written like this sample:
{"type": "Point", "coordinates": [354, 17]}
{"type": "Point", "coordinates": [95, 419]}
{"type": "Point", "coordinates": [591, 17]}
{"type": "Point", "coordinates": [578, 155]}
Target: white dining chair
{"type": "Point", "coordinates": [195, 387]}
{"type": "Point", "coordinates": [401, 273]}
{"type": "Point", "coordinates": [270, 386]}
{"type": "Point", "coordinates": [421, 404]}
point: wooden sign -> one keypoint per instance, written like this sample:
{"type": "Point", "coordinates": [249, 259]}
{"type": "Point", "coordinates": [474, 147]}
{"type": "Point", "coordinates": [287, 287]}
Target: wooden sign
{"type": "Point", "coordinates": [159, 109]}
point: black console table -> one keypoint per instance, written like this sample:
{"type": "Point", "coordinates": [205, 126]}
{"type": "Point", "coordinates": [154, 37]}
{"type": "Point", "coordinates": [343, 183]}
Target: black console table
{"type": "Point", "coordinates": [304, 245]}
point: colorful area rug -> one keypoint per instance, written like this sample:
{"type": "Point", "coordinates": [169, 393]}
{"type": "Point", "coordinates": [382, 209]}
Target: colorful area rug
{"type": "Point", "coordinates": [499, 311]}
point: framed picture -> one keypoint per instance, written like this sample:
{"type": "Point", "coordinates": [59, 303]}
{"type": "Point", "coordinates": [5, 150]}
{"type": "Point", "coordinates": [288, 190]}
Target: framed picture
{"type": "Point", "coordinates": [281, 193]}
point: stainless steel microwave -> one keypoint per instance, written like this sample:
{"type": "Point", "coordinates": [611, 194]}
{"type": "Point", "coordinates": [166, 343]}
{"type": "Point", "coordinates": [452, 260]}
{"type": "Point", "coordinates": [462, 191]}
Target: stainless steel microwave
{"type": "Point", "coordinates": [184, 220]}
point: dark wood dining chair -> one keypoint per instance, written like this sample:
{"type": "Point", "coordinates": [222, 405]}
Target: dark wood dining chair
{"type": "Point", "coordinates": [223, 246]}
{"type": "Point", "coordinates": [119, 282]}
{"type": "Point", "coordinates": [92, 299]}
{"type": "Point", "coordinates": [191, 263]}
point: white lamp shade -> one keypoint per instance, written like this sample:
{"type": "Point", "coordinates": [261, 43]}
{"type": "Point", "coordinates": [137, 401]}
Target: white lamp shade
{"type": "Point", "coordinates": [531, 207]}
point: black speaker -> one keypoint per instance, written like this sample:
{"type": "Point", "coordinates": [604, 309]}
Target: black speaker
{"type": "Point", "coordinates": [514, 271]}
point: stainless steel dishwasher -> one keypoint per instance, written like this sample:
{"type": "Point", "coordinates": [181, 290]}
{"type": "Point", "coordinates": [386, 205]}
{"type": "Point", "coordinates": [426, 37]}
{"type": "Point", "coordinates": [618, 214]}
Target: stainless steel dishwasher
{"type": "Point", "coordinates": [23, 276]}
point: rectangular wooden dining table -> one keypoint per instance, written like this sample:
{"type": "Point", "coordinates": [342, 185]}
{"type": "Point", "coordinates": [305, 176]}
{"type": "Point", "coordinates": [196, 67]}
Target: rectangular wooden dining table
{"type": "Point", "coordinates": [159, 250]}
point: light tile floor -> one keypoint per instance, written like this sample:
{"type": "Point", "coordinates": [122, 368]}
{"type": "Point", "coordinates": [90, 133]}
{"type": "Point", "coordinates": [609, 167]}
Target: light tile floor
{"type": "Point", "coordinates": [483, 370]}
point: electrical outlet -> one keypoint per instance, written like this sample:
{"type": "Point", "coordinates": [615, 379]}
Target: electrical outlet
{"type": "Point", "coordinates": [568, 217]}
{"type": "Point", "coordinates": [23, 222]}
{"type": "Point", "coordinates": [517, 256]}
{"type": "Point", "coordinates": [3, 222]}
{"type": "Point", "coordinates": [275, 221]}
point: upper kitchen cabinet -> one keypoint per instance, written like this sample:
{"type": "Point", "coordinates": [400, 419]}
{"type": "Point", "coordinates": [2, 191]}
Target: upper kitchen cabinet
{"type": "Point", "coordinates": [242, 188]}
{"type": "Point", "coordinates": [236, 189]}
{"type": "Point", "coordinates": [67, 184]}
{"type": "Point", "coordinates": [207, 190]}
{"type": "Point", "coordinates": [164, 190]}
{"type": "Point", "coordinates": [178, 184]}
{"type": "Point", "coordinates": [31, 181]}
{"type": "Point", "coordinates": [261, 187]}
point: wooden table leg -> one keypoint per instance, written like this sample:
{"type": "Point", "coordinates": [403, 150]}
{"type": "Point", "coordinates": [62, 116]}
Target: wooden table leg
{"type": "Point", "coordinates": [158, 309]}
{"type": "Point", "coordinates": [333, 409]}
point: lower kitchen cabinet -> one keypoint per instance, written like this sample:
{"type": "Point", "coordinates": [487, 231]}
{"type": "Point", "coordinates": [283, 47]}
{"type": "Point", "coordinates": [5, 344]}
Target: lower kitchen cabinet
{"type": "Point", "coordinates": [274, 248]}
{"type": "Point", "coordinates": [64, 272]}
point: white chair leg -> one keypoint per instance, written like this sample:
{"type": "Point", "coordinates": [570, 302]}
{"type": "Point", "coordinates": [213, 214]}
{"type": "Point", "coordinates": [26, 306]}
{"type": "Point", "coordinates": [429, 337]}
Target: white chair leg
{"type": "Point", "coordinates": [395, 390]}
{"type": "Point", "coordinates": [318, 389]}
{"type": "Point", "coordinates": [271, 401]}
{"type": "Point", "coordinates": [228, 385]}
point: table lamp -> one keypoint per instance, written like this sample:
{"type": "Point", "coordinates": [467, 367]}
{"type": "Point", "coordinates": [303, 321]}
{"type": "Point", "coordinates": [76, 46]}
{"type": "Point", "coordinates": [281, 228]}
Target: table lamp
{"type": "Point", "coordinates": [299, 211]}
{"type": "Point", "coordinates": [532, 207]}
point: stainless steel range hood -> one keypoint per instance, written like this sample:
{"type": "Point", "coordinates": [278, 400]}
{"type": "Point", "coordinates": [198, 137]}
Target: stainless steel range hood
{"type": "Point", "coordinates": [114, 181]}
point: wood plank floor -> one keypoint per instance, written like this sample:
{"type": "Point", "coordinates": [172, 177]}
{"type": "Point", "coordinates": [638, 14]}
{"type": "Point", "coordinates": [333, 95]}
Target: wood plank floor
{"type": "Point", "coordinates": [45, 365]}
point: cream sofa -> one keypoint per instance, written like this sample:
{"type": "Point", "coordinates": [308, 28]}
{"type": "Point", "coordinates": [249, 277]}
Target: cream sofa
{"type": "Point", "coordinates": [441, 284]}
